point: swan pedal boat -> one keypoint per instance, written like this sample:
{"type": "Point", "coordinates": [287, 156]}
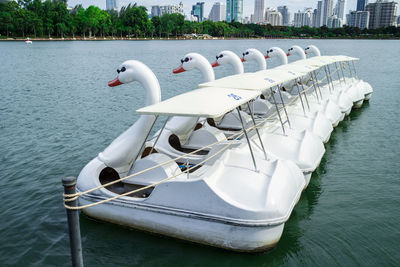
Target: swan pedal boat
{"type": "Point", "coordinates": [234, 200]}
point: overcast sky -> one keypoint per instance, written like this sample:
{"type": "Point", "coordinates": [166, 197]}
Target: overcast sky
{"type": "Point", "coordinates": [248, 5]}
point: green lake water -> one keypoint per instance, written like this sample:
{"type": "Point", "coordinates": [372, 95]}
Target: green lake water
{"type": "Point", "coordinates": [57, 113]}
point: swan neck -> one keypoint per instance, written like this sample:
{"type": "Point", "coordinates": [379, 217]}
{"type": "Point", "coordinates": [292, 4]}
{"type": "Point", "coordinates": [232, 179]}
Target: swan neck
{"type": "Point", "coordinates": [283, 58]}
{"type": "Point", "coordinates": [206, 71]}
{"type": "Point", "coordinates": [262, 64]}
{"type": "Point", "coordinates": [237, 66]}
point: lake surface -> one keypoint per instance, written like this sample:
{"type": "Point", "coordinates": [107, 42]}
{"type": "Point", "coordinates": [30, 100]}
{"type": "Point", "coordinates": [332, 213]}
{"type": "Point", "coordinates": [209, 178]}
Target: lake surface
{"type": "Point", "coordinates": [57, 113]}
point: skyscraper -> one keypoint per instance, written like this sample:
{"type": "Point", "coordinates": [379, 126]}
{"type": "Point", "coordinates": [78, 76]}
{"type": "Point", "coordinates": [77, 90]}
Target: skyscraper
{"type": "Point", "coordinates": [198, 11]}
{"type": "Point", "coordinates": [381, 14]}
{"type": "Point", "coordinates": [327, 11]}
{"type": "Point", "coordinates": [234, 10]}
{"type": "Point", "coordinates": [340, 10]}
{"type": "Point", "coordinates": [285, 15]}
{"type": "Point", "coordinates": [259, 11]}
{"type": "Point", "coordinates": [320, 11]}
{"type": "Point", "coordinates": [359, 19]}
{"type": "Point", "coordinates": [218, 12]}
{"type": "Point", "coordinates": [361, 4]}
{"type": "Point", "coordinates": [303, 18]}
{"type": "Point", "coordinates": [112, 4]}
{"type": "Point", "coordinates": [275, 18]}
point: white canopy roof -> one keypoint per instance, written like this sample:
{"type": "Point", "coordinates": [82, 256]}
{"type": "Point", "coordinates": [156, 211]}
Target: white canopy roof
{"type": "Point", "coordinates": [205, 102]}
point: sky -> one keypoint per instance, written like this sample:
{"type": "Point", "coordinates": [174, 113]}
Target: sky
{"type": "Point", "coordinates": [248, 5]}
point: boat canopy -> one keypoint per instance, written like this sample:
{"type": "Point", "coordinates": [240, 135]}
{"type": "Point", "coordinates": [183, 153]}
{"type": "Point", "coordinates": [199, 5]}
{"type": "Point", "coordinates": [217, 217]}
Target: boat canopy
{"type": "Point", "coordinates": [261, 80]}
{"type": "Point", "coordinates": [209, 102]}
{"type": "Point", "coordinates": [265, 79]}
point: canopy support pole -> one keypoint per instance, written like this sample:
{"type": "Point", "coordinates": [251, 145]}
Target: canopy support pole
{"type": "Point", "coordinates": [158, 136]}
{"type": "Point", "coordinates": [248, 141]}
{"type": "Point", "coordinates": [328, 78]}
{"type": "Point", "coordinates": [354, 68]}
{"type": "Point", "coordinates": [277, 110]}
{"type": "Point", "coordinates": [301, 99]}
{"type": "Point", "coordinates": [315, 90]}
{"type": "Point", "coordinates": [258, 134]}
{"type": "Point", "coordinates": [145, 140]}
{"type": "Point", "coordinates": [338, 74]}
{"type": "Point", "coordinates": [341, 68]}
{"type": "Point", "coordinates": [304, 93]}
{"type": "Point", "coordinates": [283, 104]}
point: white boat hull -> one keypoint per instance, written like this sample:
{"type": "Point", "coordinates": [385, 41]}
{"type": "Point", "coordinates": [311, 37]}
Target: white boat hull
{"type": "Point", "coordinates": [190, 227]}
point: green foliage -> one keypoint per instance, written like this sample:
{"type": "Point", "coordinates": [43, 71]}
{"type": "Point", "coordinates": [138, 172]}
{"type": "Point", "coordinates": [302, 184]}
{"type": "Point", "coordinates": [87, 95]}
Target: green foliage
{"type": "Point", "coordinates": [52, 18]}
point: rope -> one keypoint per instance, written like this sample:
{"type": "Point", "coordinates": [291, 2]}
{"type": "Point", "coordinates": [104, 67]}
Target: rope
{"type": "Point", "coordinates": [72, 197]}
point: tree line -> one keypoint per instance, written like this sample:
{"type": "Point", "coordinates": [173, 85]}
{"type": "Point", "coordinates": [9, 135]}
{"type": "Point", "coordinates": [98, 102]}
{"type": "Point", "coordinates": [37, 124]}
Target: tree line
{"type": "Point", "coordinates": [51, 18]}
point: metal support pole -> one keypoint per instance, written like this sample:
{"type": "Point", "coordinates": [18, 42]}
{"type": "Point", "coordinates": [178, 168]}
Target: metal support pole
{"type": "Point", "coordinates": [248, 141]}
{"type": "Point", "coordinates": [75, 243]}
{"type": "Point", "coordinates": [283, 104]}
{"type": "Point", "coordinates": [354, 68]}
{"type": "Point", "coordinates": [158, 136]}
{"type": "Point", "coordinates": [338, 74]}
{"type": "Point", "coordinates": [317, 85]}
{"type": "Point", "coordinates": [144, 142]}
{"type": "Point", "coordinates": [316, 91]}
{"type": "Point", "coordinates": [341, 68]}
{"type": "Point", "coordinates": [301, 99]}
{"type": "Point", "coordinates": [277, 110]}
{"type": "Point", "coordinates": [351, 73]}
{"type": "Point", "coordinates": [330, 77]}
{"type": "Point", "coordinates": [259, 137]}
{"type": "Point", "coordinates": [304, 93]}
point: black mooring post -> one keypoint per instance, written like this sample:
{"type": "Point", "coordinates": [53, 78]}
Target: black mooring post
{"type": "Point", "coordinates": [69, 184]}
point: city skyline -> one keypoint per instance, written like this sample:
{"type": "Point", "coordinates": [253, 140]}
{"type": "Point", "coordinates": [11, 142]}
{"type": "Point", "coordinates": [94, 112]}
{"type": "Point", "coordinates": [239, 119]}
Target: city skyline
{"type": "Point", "coordinates": [248, 5]}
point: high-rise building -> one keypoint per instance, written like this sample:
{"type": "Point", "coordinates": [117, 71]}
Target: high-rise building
{"type": "Point", "coordinates": [381, 14]}
{"type": "Point", "coordinates": [285, 15]}
{"type": "Point", "coordinates": [327, 11]}
{"type": "Point", "coordinates": [314, 18]}
{"type": "Point", "coordinates": [361, 5]}
{"type": "Point", "coordinates": [320, 11]}
{"type": "Point", "coordinates": [359, 19]}
{"type": "Point", "coordinates": [218, 12]}
{"type": "Point", "coordinates": [198, 11]}
{"type": "Point", "coordinates": [234, 10]}
{"type": "Point", "coordinates": [340, 10]}
{"type": "Point", "coordinates": [259, 11]}
{"type": "Point", "coordinates": [112, 5]}
{"type": "Point", "coordinates": [303, 18]}
{"type": "Point", "coordinates": [334, 22]}
{"type": "Point", "coordinates": [275, 18]}
{"type": "Point", "coordinates": [155, 11]}
{"type": "Point", "coordinates": [167, 9]}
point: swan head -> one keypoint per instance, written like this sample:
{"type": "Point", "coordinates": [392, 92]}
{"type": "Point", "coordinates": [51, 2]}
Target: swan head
{"type": "Point", "coordinates": [274, 52]}
{"type": "Point", "coordinates": [250, 54]}
{"type": "Point", "coordinates": [312, 49]}
{"type": "Point", "coordinates": [128, 72]}
{"type": "Point", "coordinates": [189, 62]}
{"type": "Point", "coordinates": [295, 50]}
{"type": "Point", "coordinates": [225, 57]}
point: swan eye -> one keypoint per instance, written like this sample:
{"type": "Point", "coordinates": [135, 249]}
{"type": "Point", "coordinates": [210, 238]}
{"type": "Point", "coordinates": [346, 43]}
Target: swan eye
{"type": "Point", "coordinates": [247, 53]}
{"type": "Point", "coordinates": [271, 50]}
{"type": "Point", "coordinates": [221, 56]}
{"type": "Point", "coordinates": [186, 59]}
{"type": "Point", "coordinates": [123, 69]}
{"type": "Point", "coordinates": [118, 71]}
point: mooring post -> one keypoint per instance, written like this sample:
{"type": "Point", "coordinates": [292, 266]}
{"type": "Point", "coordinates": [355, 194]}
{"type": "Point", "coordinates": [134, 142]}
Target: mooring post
{"type": "Point", "coordinates": [69, 184]}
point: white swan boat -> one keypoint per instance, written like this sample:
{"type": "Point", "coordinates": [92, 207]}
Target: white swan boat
{"type": "Point", "coordinates": [366, 88]}
{"type": "Point", "coordinates": [305, 149]}
{"type": "Point", "coordinates": [234, 199]}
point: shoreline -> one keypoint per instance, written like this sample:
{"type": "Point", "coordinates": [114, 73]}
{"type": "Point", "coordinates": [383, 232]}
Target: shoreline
{"type": "Point", "coordinates": [187, 39]}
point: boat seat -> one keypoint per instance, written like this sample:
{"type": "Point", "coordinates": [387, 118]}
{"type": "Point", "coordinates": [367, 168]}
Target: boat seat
{"type": "Point", "coordinates": [176, 144]}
